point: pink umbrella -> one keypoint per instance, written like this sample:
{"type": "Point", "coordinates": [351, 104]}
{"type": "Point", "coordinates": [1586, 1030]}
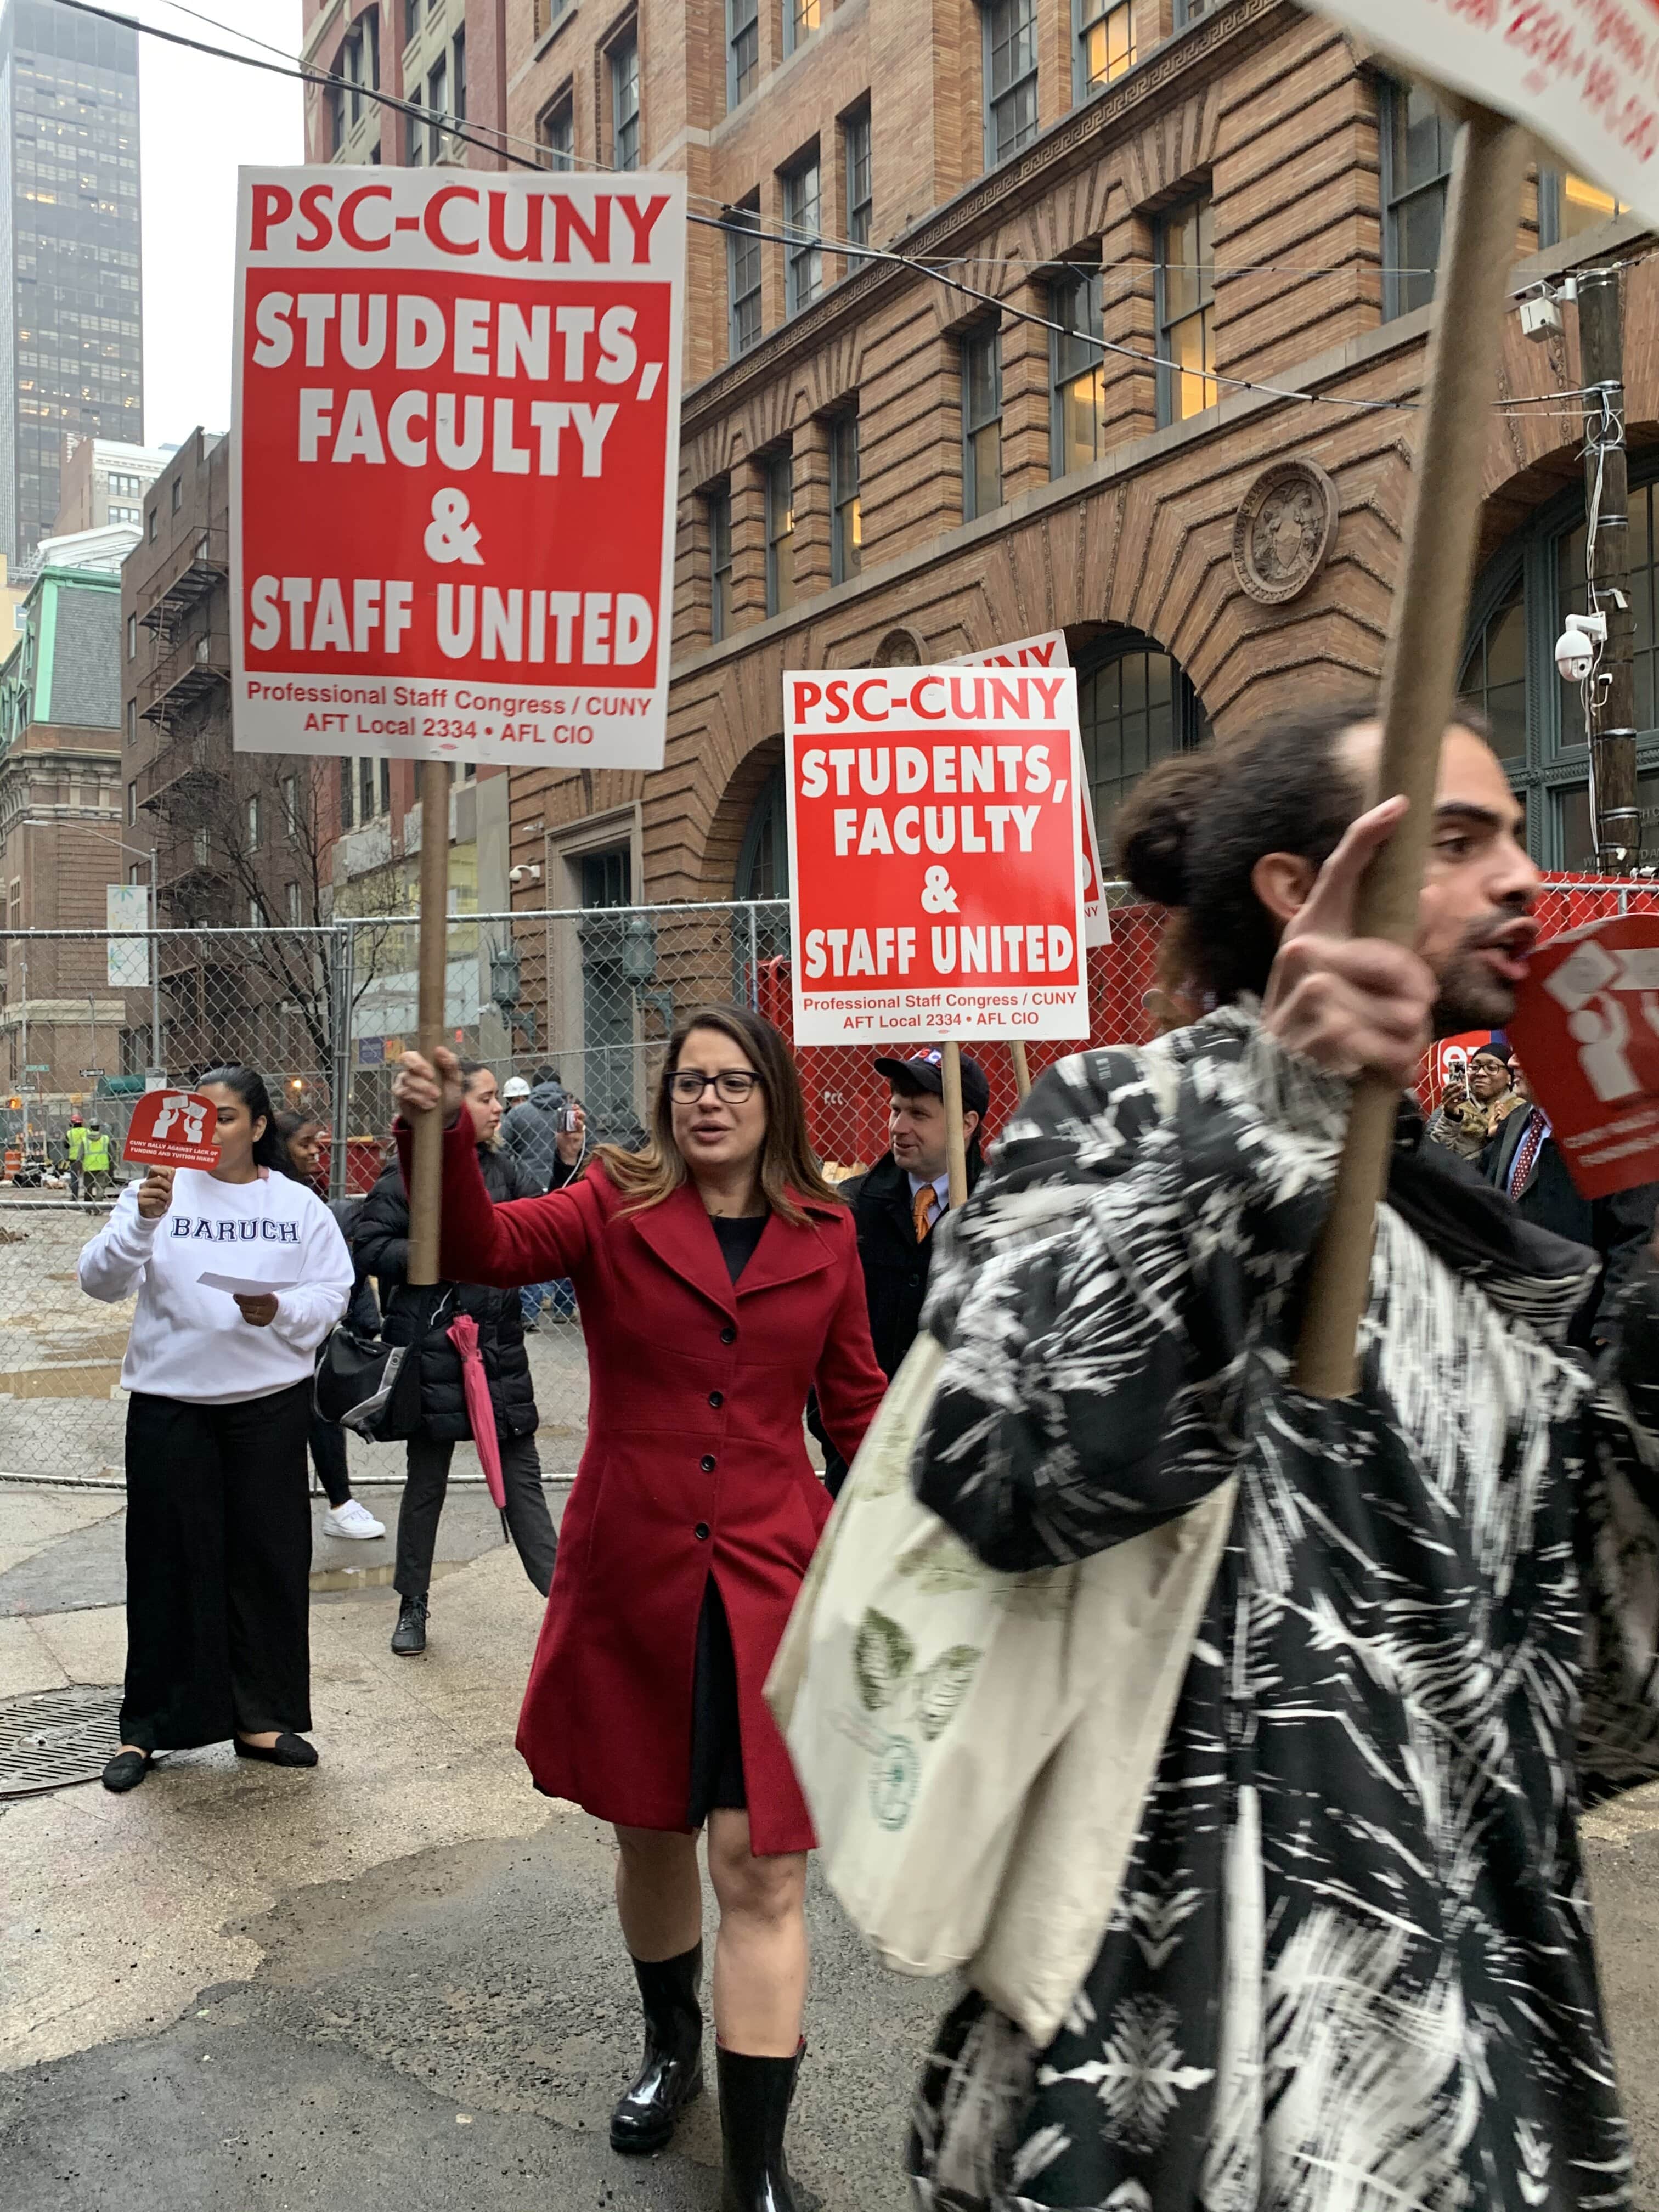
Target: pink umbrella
{"type": "Point", "coordinates": [463, 1333]}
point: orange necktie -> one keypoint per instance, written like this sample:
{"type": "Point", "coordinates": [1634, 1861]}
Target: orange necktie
{"type": "Point", "coordinates": [921, 1209]}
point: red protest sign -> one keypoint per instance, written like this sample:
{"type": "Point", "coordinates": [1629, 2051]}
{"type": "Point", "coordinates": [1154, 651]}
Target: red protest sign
{"type": "Point", "coordinates": [455, 461]}
{"type": "Point", "coordinates": [934, 855]}
{"type": "Point", "coordinates": [1048, 650]}
{"type": "Point", "coordinates": [1586, 1030]}
{"type": "Point", "coordinates": [172, 1130]}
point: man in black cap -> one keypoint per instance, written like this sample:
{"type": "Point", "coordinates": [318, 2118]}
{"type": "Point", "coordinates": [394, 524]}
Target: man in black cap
{"type": "Point", "coordinates": [897, 1202]}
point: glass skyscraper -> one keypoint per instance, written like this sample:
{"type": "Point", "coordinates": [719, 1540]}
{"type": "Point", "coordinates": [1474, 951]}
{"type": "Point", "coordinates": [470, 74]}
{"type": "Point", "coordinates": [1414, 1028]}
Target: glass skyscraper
{"type": "Point", "coordinates": [71, 345]}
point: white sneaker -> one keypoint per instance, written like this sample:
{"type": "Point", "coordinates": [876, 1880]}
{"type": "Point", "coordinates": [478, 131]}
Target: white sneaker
{"type": "Point", "coordinates": [352, 1520]}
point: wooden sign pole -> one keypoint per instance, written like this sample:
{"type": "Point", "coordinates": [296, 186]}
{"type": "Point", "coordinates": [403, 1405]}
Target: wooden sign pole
{"type": "Point", "coordinates": [956, 1142]}
{"type": "Point", "coordinates": [1421, 680]}
{"type": "Point", "coordinates": [1022, 1071]}
{"type": "Point", "coordinates": [426, 1175]}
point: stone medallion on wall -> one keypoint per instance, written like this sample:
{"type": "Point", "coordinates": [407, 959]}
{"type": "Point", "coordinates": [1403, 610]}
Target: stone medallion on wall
{"type": "Point", "coordinates": [903, 648]}
{"type": "Point", "coordinates": [1284, 532]}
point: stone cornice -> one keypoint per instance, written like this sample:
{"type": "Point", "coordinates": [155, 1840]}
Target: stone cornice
{"type": "Point", "coordinates": [1195, 54]}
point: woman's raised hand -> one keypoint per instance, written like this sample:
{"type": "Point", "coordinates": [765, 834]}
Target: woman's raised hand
{"type": "Point", "coordinates": [155, 1193]}
{"type": "Point", "coordinates": [418, 1088]}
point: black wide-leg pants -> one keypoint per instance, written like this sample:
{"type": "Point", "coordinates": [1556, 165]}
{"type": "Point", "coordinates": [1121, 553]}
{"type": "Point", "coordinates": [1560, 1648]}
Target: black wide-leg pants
{"type": "Point", "coordinates": [218, 1570]}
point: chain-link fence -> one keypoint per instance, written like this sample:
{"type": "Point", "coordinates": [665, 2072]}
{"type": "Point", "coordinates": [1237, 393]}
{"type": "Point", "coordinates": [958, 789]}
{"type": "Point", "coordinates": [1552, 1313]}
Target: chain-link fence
{"type": "Point", "coordinates": [586, 997]}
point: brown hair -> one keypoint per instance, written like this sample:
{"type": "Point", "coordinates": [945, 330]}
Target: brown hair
{"type": "Point", "coordinates": [646, 1178]}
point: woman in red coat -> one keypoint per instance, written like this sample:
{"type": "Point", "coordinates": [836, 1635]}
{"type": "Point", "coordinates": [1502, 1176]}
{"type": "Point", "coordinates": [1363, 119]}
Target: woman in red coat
{"type": "Point", "coordinates": [718, 1278]}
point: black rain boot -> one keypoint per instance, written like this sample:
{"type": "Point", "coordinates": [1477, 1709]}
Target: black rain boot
{"type": "Point", "coordinates": [754, 2099]}
{"type": "Point", "coordinates": [671, 2073]}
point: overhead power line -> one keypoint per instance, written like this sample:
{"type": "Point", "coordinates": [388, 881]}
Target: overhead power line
{"type": "Point", "coordinates": [731, 222]}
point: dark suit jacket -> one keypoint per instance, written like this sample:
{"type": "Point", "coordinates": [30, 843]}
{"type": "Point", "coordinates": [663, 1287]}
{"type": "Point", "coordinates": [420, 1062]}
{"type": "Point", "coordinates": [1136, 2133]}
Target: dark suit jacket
{"type": "Point", "coordinates": [1617, 1228]}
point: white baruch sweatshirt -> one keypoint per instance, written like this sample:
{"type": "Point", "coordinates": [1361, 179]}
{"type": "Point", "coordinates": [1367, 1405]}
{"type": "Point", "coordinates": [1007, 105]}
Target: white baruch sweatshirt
{"type": "Point", "coordinates": [189, 1342]}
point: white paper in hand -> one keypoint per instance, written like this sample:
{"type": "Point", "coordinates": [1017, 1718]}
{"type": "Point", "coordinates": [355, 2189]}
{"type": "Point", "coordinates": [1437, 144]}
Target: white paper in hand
{"type": "Point", "coordinates": [244, 1286]}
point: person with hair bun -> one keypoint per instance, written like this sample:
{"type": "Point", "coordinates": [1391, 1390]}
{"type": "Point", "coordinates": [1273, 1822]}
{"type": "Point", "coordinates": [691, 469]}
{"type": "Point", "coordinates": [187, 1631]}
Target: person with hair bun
{"type": "Point", "coordinates": [1348, 1963]}
{"type": "Point", "coordinates": [718, 1281]}
{"type": "Point", "coordinates": [218, 1529]}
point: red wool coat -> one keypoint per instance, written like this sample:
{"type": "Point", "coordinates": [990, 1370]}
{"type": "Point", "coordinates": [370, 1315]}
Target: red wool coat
{"type": "Point", "coordinates": [696, 1465]}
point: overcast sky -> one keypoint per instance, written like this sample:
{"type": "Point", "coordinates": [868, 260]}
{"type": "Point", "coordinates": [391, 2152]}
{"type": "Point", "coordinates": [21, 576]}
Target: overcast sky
{"type": "Point", "coordinates": [199, 118]}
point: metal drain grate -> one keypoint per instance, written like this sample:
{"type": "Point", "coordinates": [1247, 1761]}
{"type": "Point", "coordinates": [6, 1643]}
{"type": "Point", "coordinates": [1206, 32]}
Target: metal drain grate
{"type": "Point", "coordinates": [58, 1737]}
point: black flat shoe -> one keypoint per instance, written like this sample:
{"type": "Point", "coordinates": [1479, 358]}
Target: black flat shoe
{"type": "Point", "coordinates": [126, 1771]}
{"type": "Point", "coordinates": [287, 1751]}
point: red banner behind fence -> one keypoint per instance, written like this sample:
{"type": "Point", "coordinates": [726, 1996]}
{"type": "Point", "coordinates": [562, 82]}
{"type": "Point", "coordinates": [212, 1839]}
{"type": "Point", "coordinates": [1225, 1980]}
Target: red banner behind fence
{"type": "Point", "coordinates": [846, 1101]}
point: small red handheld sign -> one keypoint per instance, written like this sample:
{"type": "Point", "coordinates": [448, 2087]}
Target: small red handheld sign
{"type": "Point", "coordinates": [172, 1130]}
{"type": "Point", "coordinates": [1586, 1028]}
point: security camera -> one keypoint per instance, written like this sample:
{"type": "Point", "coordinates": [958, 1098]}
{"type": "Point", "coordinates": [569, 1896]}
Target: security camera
{"type": "Point", "coordinates": [1541, 314]}
{"type": "Point", "coordinates": [1575, 648]}
{"type": "Point", "coordinates": [526, 872]}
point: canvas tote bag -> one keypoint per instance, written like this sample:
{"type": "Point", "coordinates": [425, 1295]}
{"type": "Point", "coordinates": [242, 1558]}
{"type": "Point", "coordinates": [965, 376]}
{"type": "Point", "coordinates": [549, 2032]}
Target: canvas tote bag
{"type": "Point", "coordinates": [976, 1747]}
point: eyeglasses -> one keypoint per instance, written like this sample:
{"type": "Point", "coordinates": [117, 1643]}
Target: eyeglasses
{"type": "Point", "coordinates": [733, 1084]}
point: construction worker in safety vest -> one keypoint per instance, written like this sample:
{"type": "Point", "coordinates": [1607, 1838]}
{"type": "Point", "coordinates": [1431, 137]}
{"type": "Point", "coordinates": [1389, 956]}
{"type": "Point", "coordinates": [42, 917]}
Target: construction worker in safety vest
{"type": "Point", "coordinates": [74, 1145]}
{"type": "Point", "coordinates": [95, 1158]}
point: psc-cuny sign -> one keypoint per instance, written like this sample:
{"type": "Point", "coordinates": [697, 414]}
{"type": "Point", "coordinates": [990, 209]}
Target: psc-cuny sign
{"type": "Point", "coordinates": [933, 855]}
{"type": "Point", "coordinates": [454, 465]}
{"type": "Point", "coordinates": [1586, 1025]}
{"type": "Point", "coordinates": [1048, 650]}
{"type": "Point", "coordinates": [1583, 73]}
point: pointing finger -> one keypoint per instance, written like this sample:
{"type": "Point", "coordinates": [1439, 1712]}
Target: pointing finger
{"type": "Point", "coordinates": [1329, 907]}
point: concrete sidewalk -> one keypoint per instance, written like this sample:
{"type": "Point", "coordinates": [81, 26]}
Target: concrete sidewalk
{"type": "Point", "coordinates": [395, 1979]}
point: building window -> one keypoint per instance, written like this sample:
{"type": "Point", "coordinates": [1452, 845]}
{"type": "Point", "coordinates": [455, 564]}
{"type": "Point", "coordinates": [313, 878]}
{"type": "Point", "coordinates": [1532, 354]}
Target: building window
{"type": "Point", "coordinates": [334, 99]}
{"type": "Point", "coordinates": [255, 912]}
{"type": "Point", "coordinates": [132, 805]}
{"type": "Point", "coordinates": [177, 493]}
{"type": "Point", "coordinates": [763, 862]}
{"type": "Point", "coordinates": [1568, 206]}
{"type": "Point", "coordinates": [607, 879]}
{"type": "Point", "coordinates": [556, 128]}
{"type": "Point", "coordinates": [152, 524]}
{"type": "Point", "coordinates": [1135, 706]}
{"type": "Point", "coordinates": [291, 806]}
{"type": "Point", "coordinates": [846, 515]}
{"type": "Point", "coordinates": [416, 128]}
{"type": "Point", "coordinates": [1188, 11]}
{"type": "Point", "coordinates": [780, 533]}
{"type": "Point", "coordinates": [623, 62]}
{"type": "Point", "coordinates": [720, 562]}
{"type": "Point", "coordinates": [386, 782]}
{"type": "Point", "coordinates": [803, 256]}
{"type": "Point", "coordinates": [346, 816]}
{"type": "Point", "coordinates": [1077, 413]}
{"type": "Point", "coordinates": [437, 100]}
{"type": "Point", "coordinates": [742, 49]}
{"type": "Point", "coordinates": [1106, 43]}
{"type": "Point", "coordinates": [132, 721]}
{"type": "Point", "coordinates": [254, 824]}
{"type": "Point", "coordinates": [981, 422]}
{"type": "Point", "coordinates": [1519, 609]}
{"type": "Point", "coordinates": [801, 19]}
{"type": "Point", "coordinates": [132, 637]}
{"type": "Point", "coordinates": [366, 789]}
{"type": "Point", "coordinates": [855, 161]}
{"type": "Point", "coordinates": [457, 67]}
{"type": "Point", "coordinates": [1416, 143]}
{"type": "Point", "coordinates": [1011, 76]}
{"type": "Point", "coordinates": [1185, 283]}
{"type": "Point", "coordinates": [743, 264]}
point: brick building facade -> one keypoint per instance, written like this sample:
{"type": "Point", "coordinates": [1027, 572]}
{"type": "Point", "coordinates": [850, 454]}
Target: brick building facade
{"type": "Point", "coordinates": [1207, 196]}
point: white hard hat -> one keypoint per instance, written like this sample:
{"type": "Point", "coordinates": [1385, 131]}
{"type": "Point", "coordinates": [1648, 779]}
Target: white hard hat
{"type": "Point", "coordinates": [515, 1087]}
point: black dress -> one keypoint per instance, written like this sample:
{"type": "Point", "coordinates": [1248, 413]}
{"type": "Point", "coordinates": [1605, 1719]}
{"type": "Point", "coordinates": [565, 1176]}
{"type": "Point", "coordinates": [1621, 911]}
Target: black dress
{"type": "Point", "coordinates": [717, 1780]}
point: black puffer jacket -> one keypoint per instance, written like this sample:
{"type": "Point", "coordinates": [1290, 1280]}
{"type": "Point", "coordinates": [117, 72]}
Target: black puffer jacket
{"type": "Point", "coordinates": [379, 1243]}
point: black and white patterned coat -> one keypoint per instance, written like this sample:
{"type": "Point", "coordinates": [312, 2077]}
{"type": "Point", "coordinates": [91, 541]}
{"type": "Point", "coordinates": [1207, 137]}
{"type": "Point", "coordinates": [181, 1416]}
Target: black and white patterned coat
{"type": "Point", "coordinates": [1351, 1967]}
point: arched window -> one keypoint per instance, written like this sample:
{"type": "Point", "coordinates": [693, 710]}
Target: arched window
{"type": "Point", "coordinates": [763, 862]}
{"type": "Point", "coordinates": [1136, 705]}
{"type": "Point", "coordinates": [1519, 609]}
